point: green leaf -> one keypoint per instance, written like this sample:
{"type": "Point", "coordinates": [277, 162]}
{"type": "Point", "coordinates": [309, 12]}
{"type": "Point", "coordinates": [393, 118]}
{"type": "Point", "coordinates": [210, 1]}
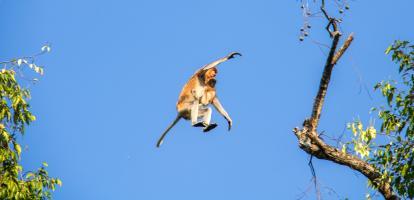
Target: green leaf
{"type": "Point", "coordinates": [5, 135]}
{"type": "Point", "coordinates": [32, 117]}
{"type": "Point", "coordinates": [59, 182]}
{"type": "Point", "coordinates": [343, 148]}
{"type": "Point", "coordinates": [17, 148]}
{"type": "Point", "coordinates": [387, 51]}
{"type": "Point", "coordinates": [29, 175]}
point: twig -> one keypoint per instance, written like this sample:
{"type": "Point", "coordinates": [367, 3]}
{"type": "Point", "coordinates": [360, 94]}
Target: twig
{"type": "Point", "coordinates": [318, 192]}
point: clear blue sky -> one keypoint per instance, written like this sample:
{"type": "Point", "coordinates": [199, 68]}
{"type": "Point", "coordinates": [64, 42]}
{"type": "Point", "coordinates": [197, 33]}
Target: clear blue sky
{"type": "Point", "coordinates": [116, 67]}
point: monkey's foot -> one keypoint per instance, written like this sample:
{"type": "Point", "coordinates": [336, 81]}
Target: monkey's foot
{"type": "Point", "coordinates": [209, 127]}
{"type": "Point", "coordinates": [201, 124]}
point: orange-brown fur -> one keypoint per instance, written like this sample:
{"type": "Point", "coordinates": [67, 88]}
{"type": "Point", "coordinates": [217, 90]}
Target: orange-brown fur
{"type": "Point", "coordinates": [210, 89]}
{"type": "Point", "coordinates": [203, 83]}
{"type": "Point", "coordinates": [196, 95]}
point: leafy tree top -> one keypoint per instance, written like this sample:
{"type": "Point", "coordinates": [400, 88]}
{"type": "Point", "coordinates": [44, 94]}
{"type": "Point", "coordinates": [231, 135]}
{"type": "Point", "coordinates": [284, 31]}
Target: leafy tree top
{"type": "Point", "coordinates": [14, 117]}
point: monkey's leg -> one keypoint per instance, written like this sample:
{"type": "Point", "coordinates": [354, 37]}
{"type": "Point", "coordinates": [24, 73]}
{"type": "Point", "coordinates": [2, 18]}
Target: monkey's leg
{"type": "Point", "coordinates": [206, 113]}
{"type": "Point", "coordinates": [194, 115]}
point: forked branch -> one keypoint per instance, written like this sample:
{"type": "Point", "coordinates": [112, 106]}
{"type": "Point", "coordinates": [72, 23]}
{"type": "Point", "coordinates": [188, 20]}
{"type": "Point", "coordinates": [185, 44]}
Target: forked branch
{"type": "Point", "coordinates": [308, 137]}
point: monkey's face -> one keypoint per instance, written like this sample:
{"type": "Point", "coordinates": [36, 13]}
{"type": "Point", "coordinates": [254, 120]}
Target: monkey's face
{"type": "Point", "coordinates": [211, 74]}
{"type": "Point", "coordinates": [210, 77]}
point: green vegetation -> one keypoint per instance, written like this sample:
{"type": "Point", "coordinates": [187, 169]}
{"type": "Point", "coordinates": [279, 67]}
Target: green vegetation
{"type": "Point", "coordinates": [392, 152]}
{"type": "Point", "coordinates": [14, 116]}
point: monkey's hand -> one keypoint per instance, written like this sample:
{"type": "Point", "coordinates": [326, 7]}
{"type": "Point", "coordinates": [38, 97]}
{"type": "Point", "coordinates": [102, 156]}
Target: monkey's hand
{"type": "Point", "coordinates": [230, 122]}
{"type": "Point", "coordinates": [232, 54]}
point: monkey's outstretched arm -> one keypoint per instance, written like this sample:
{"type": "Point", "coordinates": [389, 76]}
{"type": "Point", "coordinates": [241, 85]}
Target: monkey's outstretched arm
{"type": "Point", "coordinates": [217, 62]}
{"type": "Point", "coordinates": [168, 129]}
{"type": "Point", "coordinates": [216, 103]}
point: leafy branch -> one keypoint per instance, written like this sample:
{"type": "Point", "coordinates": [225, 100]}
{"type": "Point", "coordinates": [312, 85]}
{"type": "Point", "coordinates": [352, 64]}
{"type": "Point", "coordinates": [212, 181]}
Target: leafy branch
{"type": "Point", "coordinates": [14, 117]}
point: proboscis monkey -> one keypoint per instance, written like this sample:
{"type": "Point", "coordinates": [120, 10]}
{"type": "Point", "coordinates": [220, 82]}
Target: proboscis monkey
{"type": "Point", "coordinates": [196, 95]}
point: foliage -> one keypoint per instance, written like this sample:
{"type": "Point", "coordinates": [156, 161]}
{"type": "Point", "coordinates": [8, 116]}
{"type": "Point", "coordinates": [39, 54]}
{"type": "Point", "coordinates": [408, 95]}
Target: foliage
{"type": "Point", "coordinates": [14, 116]}
{"type": "Point", "coordinates": [394, 157]}
{"type": "Point", "coordinates": [362, 138]}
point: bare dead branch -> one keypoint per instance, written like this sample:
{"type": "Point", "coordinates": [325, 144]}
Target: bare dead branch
{"type": "Point", "coordinates": [342, 50]}
{"type": "Point", "coordinates": [323, 86]}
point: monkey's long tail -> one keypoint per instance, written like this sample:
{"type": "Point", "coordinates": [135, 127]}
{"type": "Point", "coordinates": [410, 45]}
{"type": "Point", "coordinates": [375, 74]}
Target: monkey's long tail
{"type": "Point", "coordinates": [166, 131]}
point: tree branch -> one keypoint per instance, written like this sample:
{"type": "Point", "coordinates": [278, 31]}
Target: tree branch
{"type": "Point", "coordinates": [323, 86]}
{"type": "Point", "coordinates": [310, 141]}
{"type": "Point", "coordinates": [308, 137]}
{"type": "Point", "coordinates": [314, 145]}
{"type": "Point", "coordinates": [342, 50]}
